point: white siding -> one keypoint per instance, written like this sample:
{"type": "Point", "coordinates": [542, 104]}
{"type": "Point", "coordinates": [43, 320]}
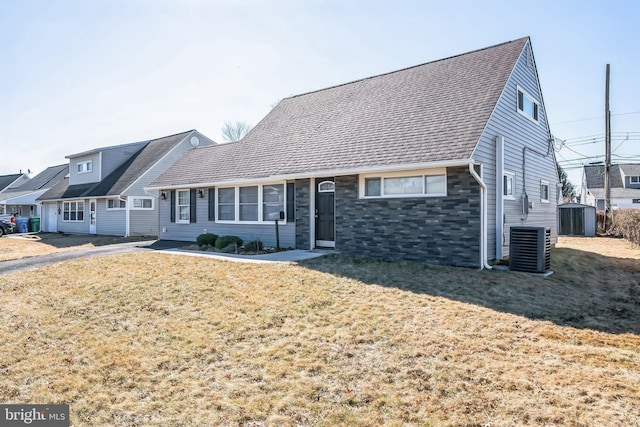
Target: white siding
{"type": "Point", "coordinates": [144, 222]}
{"type": "Point", "coordinates": [85, 177]}
{"type": "Point", "coordinates": [77, 227]}
{"type": "Point", "coordinates": [519, 131]}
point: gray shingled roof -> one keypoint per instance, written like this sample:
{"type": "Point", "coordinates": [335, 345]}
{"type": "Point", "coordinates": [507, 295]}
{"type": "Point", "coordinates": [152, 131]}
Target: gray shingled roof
{"type": "Point", "coordinates": [7, 180]}
{"type": "Point", "coordinates": [594, 175]}
{"type": "Point", "coordinates": [630, 169]}
{"type": "Point", "coordinates": [616, 193]}
{"type": "Point", "coordinates": [427, 113]}
{"type": "Point", "coordinates": [123, 176]}
{"type": "Point", "coordinates": [46, 179]}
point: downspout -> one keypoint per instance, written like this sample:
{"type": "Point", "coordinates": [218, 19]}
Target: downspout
{"type": "Point", "coordinates": [483, 218]}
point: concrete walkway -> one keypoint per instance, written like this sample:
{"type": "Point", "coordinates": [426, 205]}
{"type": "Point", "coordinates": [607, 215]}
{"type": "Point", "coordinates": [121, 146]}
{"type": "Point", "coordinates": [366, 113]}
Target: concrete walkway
{"type": "Point", "coordinates": [30, 263]}
{"type": "Point", "coordinates": [285, 256]}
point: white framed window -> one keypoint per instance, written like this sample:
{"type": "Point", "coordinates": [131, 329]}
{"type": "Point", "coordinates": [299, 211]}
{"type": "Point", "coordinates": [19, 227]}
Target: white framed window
{"type": "Point", "coordinates": [73, 211]}
{"type": "Point", "coordinates": [116, 204]}
{"type": "Point", "coordinates": [634, 179]}
{"type": "Point", "coordinates": [509, 185]}
{"type": "Point", "coordinates": [183, 206]}
{"type": "Point", "coordinates": [142, 203]}
{"type": "Point", "coordinates": [250, 204]}
{"type": "Point", "coordinates": [527, 106]}
{"type": "Point", "coordinates": [85, 167]}
{"type": "Point", "coordinates": [544, 191]}
{"type": "Point", "coordinates": [422, 183]}
{"type": "Point", "coordinates": [327, 187]}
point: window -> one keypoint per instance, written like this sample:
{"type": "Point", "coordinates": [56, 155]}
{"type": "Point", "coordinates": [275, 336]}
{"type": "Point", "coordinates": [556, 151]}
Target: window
{"type": "Point", "coordinates": [527, 106]}
{"type": "Point", "coordinates": [634, 179]}
{"type": "Point", "coordinates": [427, 183]}
{"type": "Point", "coordinates": [183, 206]}
{"type": "Point", "coordinates": [85, 167]}
{"type": "Point", "coordinates": [256, 203]}
{"type": "Point", "coordinates": [508, 185]}
{"type": "Point", "coordinates": [226, 204]}
{"type": "Point", "coordinates": [73, 211]}
{"type": "Point", "coordinates": [327, 187]}
{"type": "Point", "coordinates": [116, 204]}
{"type": "Point", "coordinates": [142, 203]}
{"type": "Point", "coordinates": [544, 191]}
{"type": "Point", "coordinates": [272, 201]}
{"type": "Point", "coordinates": [635, 201]}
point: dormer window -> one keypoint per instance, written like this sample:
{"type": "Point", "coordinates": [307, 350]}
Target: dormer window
{"type": "Point", "coordinates": [85, 167]}
{"type": "Point", "coordinates": [634, 179]}
{"type": "Point", "coordinates": [527, 106]}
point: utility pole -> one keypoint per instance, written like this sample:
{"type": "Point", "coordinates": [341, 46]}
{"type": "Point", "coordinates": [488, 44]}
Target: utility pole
{"type": "Point", "coordinates": [607, 155]}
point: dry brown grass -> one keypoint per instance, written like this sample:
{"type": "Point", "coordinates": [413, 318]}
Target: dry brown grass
{"type": "Point", "coordinates": [155, 339]}
{"type": "Point", "coordinates": [30, 245]}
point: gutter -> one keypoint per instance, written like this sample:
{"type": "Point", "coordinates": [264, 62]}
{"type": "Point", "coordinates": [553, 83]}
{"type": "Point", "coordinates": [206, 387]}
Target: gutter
{"type": "Point", "coordinates": [483, 218]}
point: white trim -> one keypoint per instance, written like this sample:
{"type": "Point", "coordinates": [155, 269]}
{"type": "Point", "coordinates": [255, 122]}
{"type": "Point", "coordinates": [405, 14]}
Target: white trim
{"type": "Point", "coordinates": [500, 174]}
{"type": "Point", "coordinates": [100, 166]}
{"type": "Point", "coordinates": [542, 200]}
{"type": "Point", "coordinates": [177, 206]}
{"type": "Point", "coordinates": [325, 243]}
{"type": "Point", "coordinates": [76, 201]}
{"type": "Point", "coordinates": [236, 202]}
{"type": "Point", "coordinates": [133, 203]}
{"type": "Point", "coordinates": [423, 173]}
{"type": "Point", "coordinates": [83, 165]}
{"type": "Point", "coordinates": [93, 222]}
{"type": "Point", "coordinates": [483, 216]}
{"type": "Point", "coordinates": [326, 172]}
{"type": "Point", "coordinates": [114, 199]}
{"type": "Point", "coordinates": [525, 94]}
{"type": "Point", "coordinates": [513, 186]}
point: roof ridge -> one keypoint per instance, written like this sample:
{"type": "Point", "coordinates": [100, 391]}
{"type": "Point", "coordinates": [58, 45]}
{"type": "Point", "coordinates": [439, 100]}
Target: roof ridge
{"type": "Point", "coordinates": [406, 68]}
{"type": "Point", "coordinates": [169, 136]}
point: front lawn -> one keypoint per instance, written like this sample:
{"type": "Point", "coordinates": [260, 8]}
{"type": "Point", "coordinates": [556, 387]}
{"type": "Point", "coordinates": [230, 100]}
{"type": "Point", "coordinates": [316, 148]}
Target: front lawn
{"type": "Point", "coordinates": [157, 339]}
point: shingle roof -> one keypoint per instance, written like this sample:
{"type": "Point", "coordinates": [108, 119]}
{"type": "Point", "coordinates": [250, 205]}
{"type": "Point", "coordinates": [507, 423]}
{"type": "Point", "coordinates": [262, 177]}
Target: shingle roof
{"type": "Point", "coordinates": [7, 180]}
{"type": "Point", "coordinates": [594, 175]}
{"type": "Point", "coordinates": [45, 179]}
{"type": "Point", "coordinates": [427, 113]}
{"type": "Point", "coordinates": [122, 177]}
{"type": "Point", "coordinates": [630, 169]}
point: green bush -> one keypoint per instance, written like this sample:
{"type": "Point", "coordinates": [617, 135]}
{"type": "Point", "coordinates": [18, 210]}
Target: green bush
{"type": "Point", "coordinates": [626, 223]}
{"type": "Point", "coordinates": [224, 241]}
{"type": "Point", "coordinates": [254, 246]}
{"type": "Point", "coordinates": [206, 239]}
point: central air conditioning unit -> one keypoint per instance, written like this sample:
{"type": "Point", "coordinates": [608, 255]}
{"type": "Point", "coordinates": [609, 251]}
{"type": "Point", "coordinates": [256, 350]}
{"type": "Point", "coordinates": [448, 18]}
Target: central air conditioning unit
{"type": "Point", "coordinates": [530, 249]}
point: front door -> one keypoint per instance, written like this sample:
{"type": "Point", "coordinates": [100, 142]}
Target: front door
{"type": "Point", "coordinates": [325, 213]}
{"type": "Point", "coordinates": [92, 216]}
{"type": "Point", "coordinates": [52, 218]}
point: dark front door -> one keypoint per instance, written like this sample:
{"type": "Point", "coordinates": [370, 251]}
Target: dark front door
{"type": "Point", "coordinates": [325, 213]}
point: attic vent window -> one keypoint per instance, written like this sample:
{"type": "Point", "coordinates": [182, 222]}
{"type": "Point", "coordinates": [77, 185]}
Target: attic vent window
{"type": "Point", "coordinates": [527, 106]}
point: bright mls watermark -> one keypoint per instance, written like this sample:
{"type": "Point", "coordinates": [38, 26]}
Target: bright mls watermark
{"type": "Point", "coordinates": [34, 415]}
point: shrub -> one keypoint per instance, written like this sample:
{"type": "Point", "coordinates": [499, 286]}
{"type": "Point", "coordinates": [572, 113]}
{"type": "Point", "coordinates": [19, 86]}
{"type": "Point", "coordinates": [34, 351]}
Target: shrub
{"type": "Point", "coordinates": [626, 223]}
{"type": "Point", "coordinates": [206, 239]}
{"type": "Point", "coordinates": [224, 241]}
{"type": "Point", "coordinates": [254, 246]}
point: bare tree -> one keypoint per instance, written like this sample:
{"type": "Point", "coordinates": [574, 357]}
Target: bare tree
{"type": "Point", "coordinates": [232, 132]}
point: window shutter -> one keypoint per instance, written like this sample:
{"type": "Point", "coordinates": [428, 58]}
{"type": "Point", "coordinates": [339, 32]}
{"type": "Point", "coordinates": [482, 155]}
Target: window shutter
{"type": "Point", "coordinates": [212, 204]}
{"type": "Point", "coordinates": [291, 202]}
{"type": "Point", "coordinates": [192, 205]}
{"type": "Point", "coordinates": [173, 206]}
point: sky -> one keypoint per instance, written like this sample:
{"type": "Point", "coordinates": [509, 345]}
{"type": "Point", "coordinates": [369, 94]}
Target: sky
{"type": "Point", "coordinates": [77, 75]}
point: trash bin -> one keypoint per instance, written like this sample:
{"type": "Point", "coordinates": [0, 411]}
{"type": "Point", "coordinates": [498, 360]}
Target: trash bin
{"type": "Point", "coordinates": [23, 225]}
{"type": "Point", "coordinates": [34, 225]}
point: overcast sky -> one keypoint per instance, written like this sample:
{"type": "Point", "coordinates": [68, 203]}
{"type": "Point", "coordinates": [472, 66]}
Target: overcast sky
{"type": "Point", "coordinates": [76, 75]}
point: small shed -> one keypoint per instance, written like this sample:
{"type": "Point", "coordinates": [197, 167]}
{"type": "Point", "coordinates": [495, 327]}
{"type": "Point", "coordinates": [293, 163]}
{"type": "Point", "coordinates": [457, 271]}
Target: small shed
{"type": "Point", "coordinates": [575, 219]}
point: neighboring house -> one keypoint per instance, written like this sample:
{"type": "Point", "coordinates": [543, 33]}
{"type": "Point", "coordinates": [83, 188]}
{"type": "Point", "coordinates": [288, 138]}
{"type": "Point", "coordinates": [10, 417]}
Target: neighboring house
{"type": "Point", "coordinates": [625, 186]}
{"type": "Point", "coordinates": [9, 181]}
{"type": "Point", "coordinates": [104, 192]}
{"type": "Point", "coordinates": [22, 201]}
{"type": "Point", "coordinates": [431, 163]}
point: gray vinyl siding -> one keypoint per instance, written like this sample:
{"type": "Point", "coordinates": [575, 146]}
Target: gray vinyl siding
{"type": "Point", "coordinates": [110, 222]}
{"type": "Point", "coordinates": [188, 232]}
{"type": "Point", "coordinates": [144, 222]}
{"type": "Point", "coordinates": [519, 131]}
{"type": "Point", "coordinates": [74, 227]}
{"type": "Point", "coordinates": [86, 177]}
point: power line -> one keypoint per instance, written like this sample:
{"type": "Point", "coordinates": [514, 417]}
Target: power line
{"type": "Point", "coordinates": [594, 118]}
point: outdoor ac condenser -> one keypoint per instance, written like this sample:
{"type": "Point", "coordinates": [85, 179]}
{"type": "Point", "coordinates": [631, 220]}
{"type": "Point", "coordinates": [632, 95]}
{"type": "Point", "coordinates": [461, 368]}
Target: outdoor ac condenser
{"type": "Point", "coordinates": [530, 249]}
